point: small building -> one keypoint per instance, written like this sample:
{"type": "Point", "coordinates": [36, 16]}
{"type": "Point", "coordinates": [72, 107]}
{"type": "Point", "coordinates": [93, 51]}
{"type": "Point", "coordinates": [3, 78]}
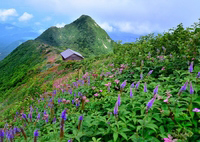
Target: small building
{"type": "Point", "coordinates": [71, 55]}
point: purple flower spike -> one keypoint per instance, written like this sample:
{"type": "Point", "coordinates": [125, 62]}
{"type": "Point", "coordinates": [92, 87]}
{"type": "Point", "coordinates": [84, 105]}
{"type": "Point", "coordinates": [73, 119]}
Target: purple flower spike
{"type": "Point", "coordinates": [119, 100]}
{"type": "Point", "coordinates": [1, 134]}
{"type": "Point", "coordinates": [116, 109]}
{"type": "Point", "coordinates": [81, 118]}
{"type": "Point", "coordinates": [132, 85]}
{"type": "Point", "coordinates": [137, 85]}
{"type": "Point", "coordinates": [141, 76]}
{"type": "Point", "coordinates": [184, 87]}
{"type": "Point", "coordinates": [155, 91]}
{"type": "Point", "coordinates": [191, 67]}
{"type": "Point", "coordinates": [63, 115]}
{"type": "Point", "coordinates": [36, 134]}
{"type": "Point", "coordinates": [38, 116]}
{"type": "Point", "coordinates": [150, 72]}
{"type": "Point", "coordinates": [150, 103]}
{"type": "Point", "coordinates": [54, 120]}
{"type": "Point", "coordinates": [198, 75]}
{"type": "Point", "coordinates": [145, 87]}
{"type": "Point", "coordinates": [131, 93]}
{"type": "Point", "coordinates": [191, 88]}
{"type": "Point", "coordinates": [123, 84]}
{"type": "Point", "coordinates": [24, 116]}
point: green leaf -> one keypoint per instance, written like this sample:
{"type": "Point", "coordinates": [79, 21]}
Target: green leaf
{"type": "Point", "coordinates": [115, 136]}
{"type": "Point", "coordinates": [123, 135]}
{"type": "Point", "coordinates": [152, 126]}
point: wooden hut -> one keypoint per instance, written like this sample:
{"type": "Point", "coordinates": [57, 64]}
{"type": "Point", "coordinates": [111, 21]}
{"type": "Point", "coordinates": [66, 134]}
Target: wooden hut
{"type": "Point", "coordinates": [71, 55]}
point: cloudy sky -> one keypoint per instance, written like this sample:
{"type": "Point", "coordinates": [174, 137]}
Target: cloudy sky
{"type": "Point", "coordinates": [130, 16]}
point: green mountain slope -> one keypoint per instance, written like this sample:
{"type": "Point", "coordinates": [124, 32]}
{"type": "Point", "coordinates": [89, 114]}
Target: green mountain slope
{"type": "Point", "coordinates": [84, 35]}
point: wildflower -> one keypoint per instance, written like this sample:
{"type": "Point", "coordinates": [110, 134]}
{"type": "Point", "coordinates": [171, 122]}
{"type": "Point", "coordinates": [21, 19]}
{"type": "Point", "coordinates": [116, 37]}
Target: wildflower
{"type": "Point", "coordinates": [63, 115]}
{"type": "Point", "coordinates": [132, 85]}
{"type": "Point", "coordinates": [169, 139]}
{"type": "Point", "coordinates": [87, 100]}
{"type": "Point", "coordinates": [1, 134]}
{"type": "Point", "coordinates": [145, 87]}
{"type": "Point", "coordinates": [80, 122]}
{"type": "Point", "coordinates": [100, 90]}
{"type": "Point", "coordinates": [96, 94]}
{"type": "Point", "coordinates": [183, 88]}
{"type": "Point", "coordinates": [163, 68]}
{"type": "Point", "coordinates": [36, 134]}
{"type": "Point", "coordinates": [150, 72]}
{"type": "Point", "coordinates": [141, 76]}
{"type": "Point", "coordinates": [131, 93]}
{"type": "Point", "coordinates": [46, 116]}
{"type": "Point", "coordinates": [111, 76]}
{"type": "Point", "coordinates": [24, 116]}
{"type": "Point", "coordinates": [198, 75]}
{"type": "Point", "coordinates": [191, 67]}
{"type": "Point", "coordinates": [116, 81]}
{"type": "Point", "coordinates": [54, 120]}
{"type": "Point", "coordinates": [150, 103]}
{"type": "Point", "coordinates": [72, 101]}
{"type": "Point", "coordinates": [155, 91]}
{"type": "Point", "coordinates": [119, 100]}
{"type": "Point", "coordinates": [23, 133]}
{"type": "Point", "coordinates": [196, 110]}
{"type": "Point", "coordinates": [38, 116]}
{"type": "Point", "coordinates": [123, 84]}
{"type": "Point", "coordinates": [191, 88]}
{"type": "Point", "coordinates": [116, 109]}
{"type": "Point", "coordinates": [59, 100]}
{"type": "Point", "coordinates": [164, 48]}
{"type": "Point", "coordinates": [88, 80]}
{"type": "Point", "coordinates": [93, 87]}
{"type": "Point", "coordinates": [137, 85]}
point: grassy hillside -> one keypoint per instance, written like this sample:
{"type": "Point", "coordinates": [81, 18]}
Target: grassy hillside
{"type": "Point", "coordinates": [143, 91]}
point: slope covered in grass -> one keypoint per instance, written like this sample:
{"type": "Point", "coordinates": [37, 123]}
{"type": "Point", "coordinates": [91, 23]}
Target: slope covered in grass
{"type": "Point", "coordinates": [143, 91]}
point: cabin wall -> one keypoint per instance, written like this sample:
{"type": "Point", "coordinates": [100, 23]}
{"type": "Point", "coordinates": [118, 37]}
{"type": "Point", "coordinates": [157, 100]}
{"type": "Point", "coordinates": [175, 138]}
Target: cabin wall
{"type": "Point", "coordinates": [74, 57]}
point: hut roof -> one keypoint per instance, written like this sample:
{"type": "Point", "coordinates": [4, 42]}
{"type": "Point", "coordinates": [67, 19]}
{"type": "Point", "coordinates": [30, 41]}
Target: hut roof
{"type": "Point", "coordinates": [70, 52]}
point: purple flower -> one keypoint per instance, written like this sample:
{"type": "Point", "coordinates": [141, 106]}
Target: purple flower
{"type": "Point", "coordinates": [183, 88]}
{"type": "Point", "coordinates": [191, 67]}
{"type": "Point", "coordinates": [24, 116]}
{"type": "Point", "coordinates": [137, 85]}
{"type": "Point", "coordinates": [116, 108]}
{"type": "Point", "coordinates": [141, 76]}
{"type": "Point", "coordinates": [132, 85]}
{"type": "Point", "coordinates": [54, 92]}
{"type": "Point", "coordinates": [36, 134]}
{"type": "Point", "coordinates": [1, 133]}
{"type": "Point", "coordinates": [198, 75]}
{"type": "Point", "coordinates": [70, 140]}
{"type": "Point", "coordinates": [131, 93]}
{"type": "Point", "coordinates": [59, 101]}
{"type": "Point", "coordinates": [150, 103]}
{"type": "Point", "coordinates": [63, 115]}
{"type": "Point", "coordinates": [81, 118]}
{"type": "Point", "coordinates": [119, 100]}
{"type": "Point", "coordinates": [70, 91]}
{"type": "Point", "coordinates": [150, 72]}
{"type": "Point", "coordinates": [123, 84]}
{"type": "Point", "coordinates": [38, 116]}
{"type": "Point", "coordinates": [145, 87]}
{"type": "Point", "coordinates": [196, 110]}
{"type": "Point", "coordinates": [191, 88]}
{"type": "Point", "coordinates": [54, 120]}
{"type": "Point", "coordinates": [155, 91]}
{"type": "Point", "coordinates": [88, 80]}
{"type": "Point", "coordinates": [72, 101]}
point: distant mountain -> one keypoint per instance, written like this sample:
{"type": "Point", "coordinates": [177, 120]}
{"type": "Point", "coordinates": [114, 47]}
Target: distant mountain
{"type": "Point", "coordinates": [83, 35]}
{"type": "Point", "coordinates": [8, 49]}
{"type": "Point", "coordinates": [11, 35]}
{"type": "Point", "coordinates": [124, 37]}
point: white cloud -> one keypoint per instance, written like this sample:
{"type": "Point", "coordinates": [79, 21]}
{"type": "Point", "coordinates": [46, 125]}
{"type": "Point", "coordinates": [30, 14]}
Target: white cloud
{"type": "Point", "coordinates": [37, 23]}
{"type": "Point", "coordinates": [48, 18]}
{"type": "Point", "coordinates": [6, 13]}
{"type": "Point", "coordinates": [60, 25]}
{"type": "Point", "coordinates": [25, 17]}
{"type": "Point", "coordinates": [106, 27]}
{"type": "Point", "coordinates": [41, 31]}
{"type": "Point", "coordinates": [134, 15]}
